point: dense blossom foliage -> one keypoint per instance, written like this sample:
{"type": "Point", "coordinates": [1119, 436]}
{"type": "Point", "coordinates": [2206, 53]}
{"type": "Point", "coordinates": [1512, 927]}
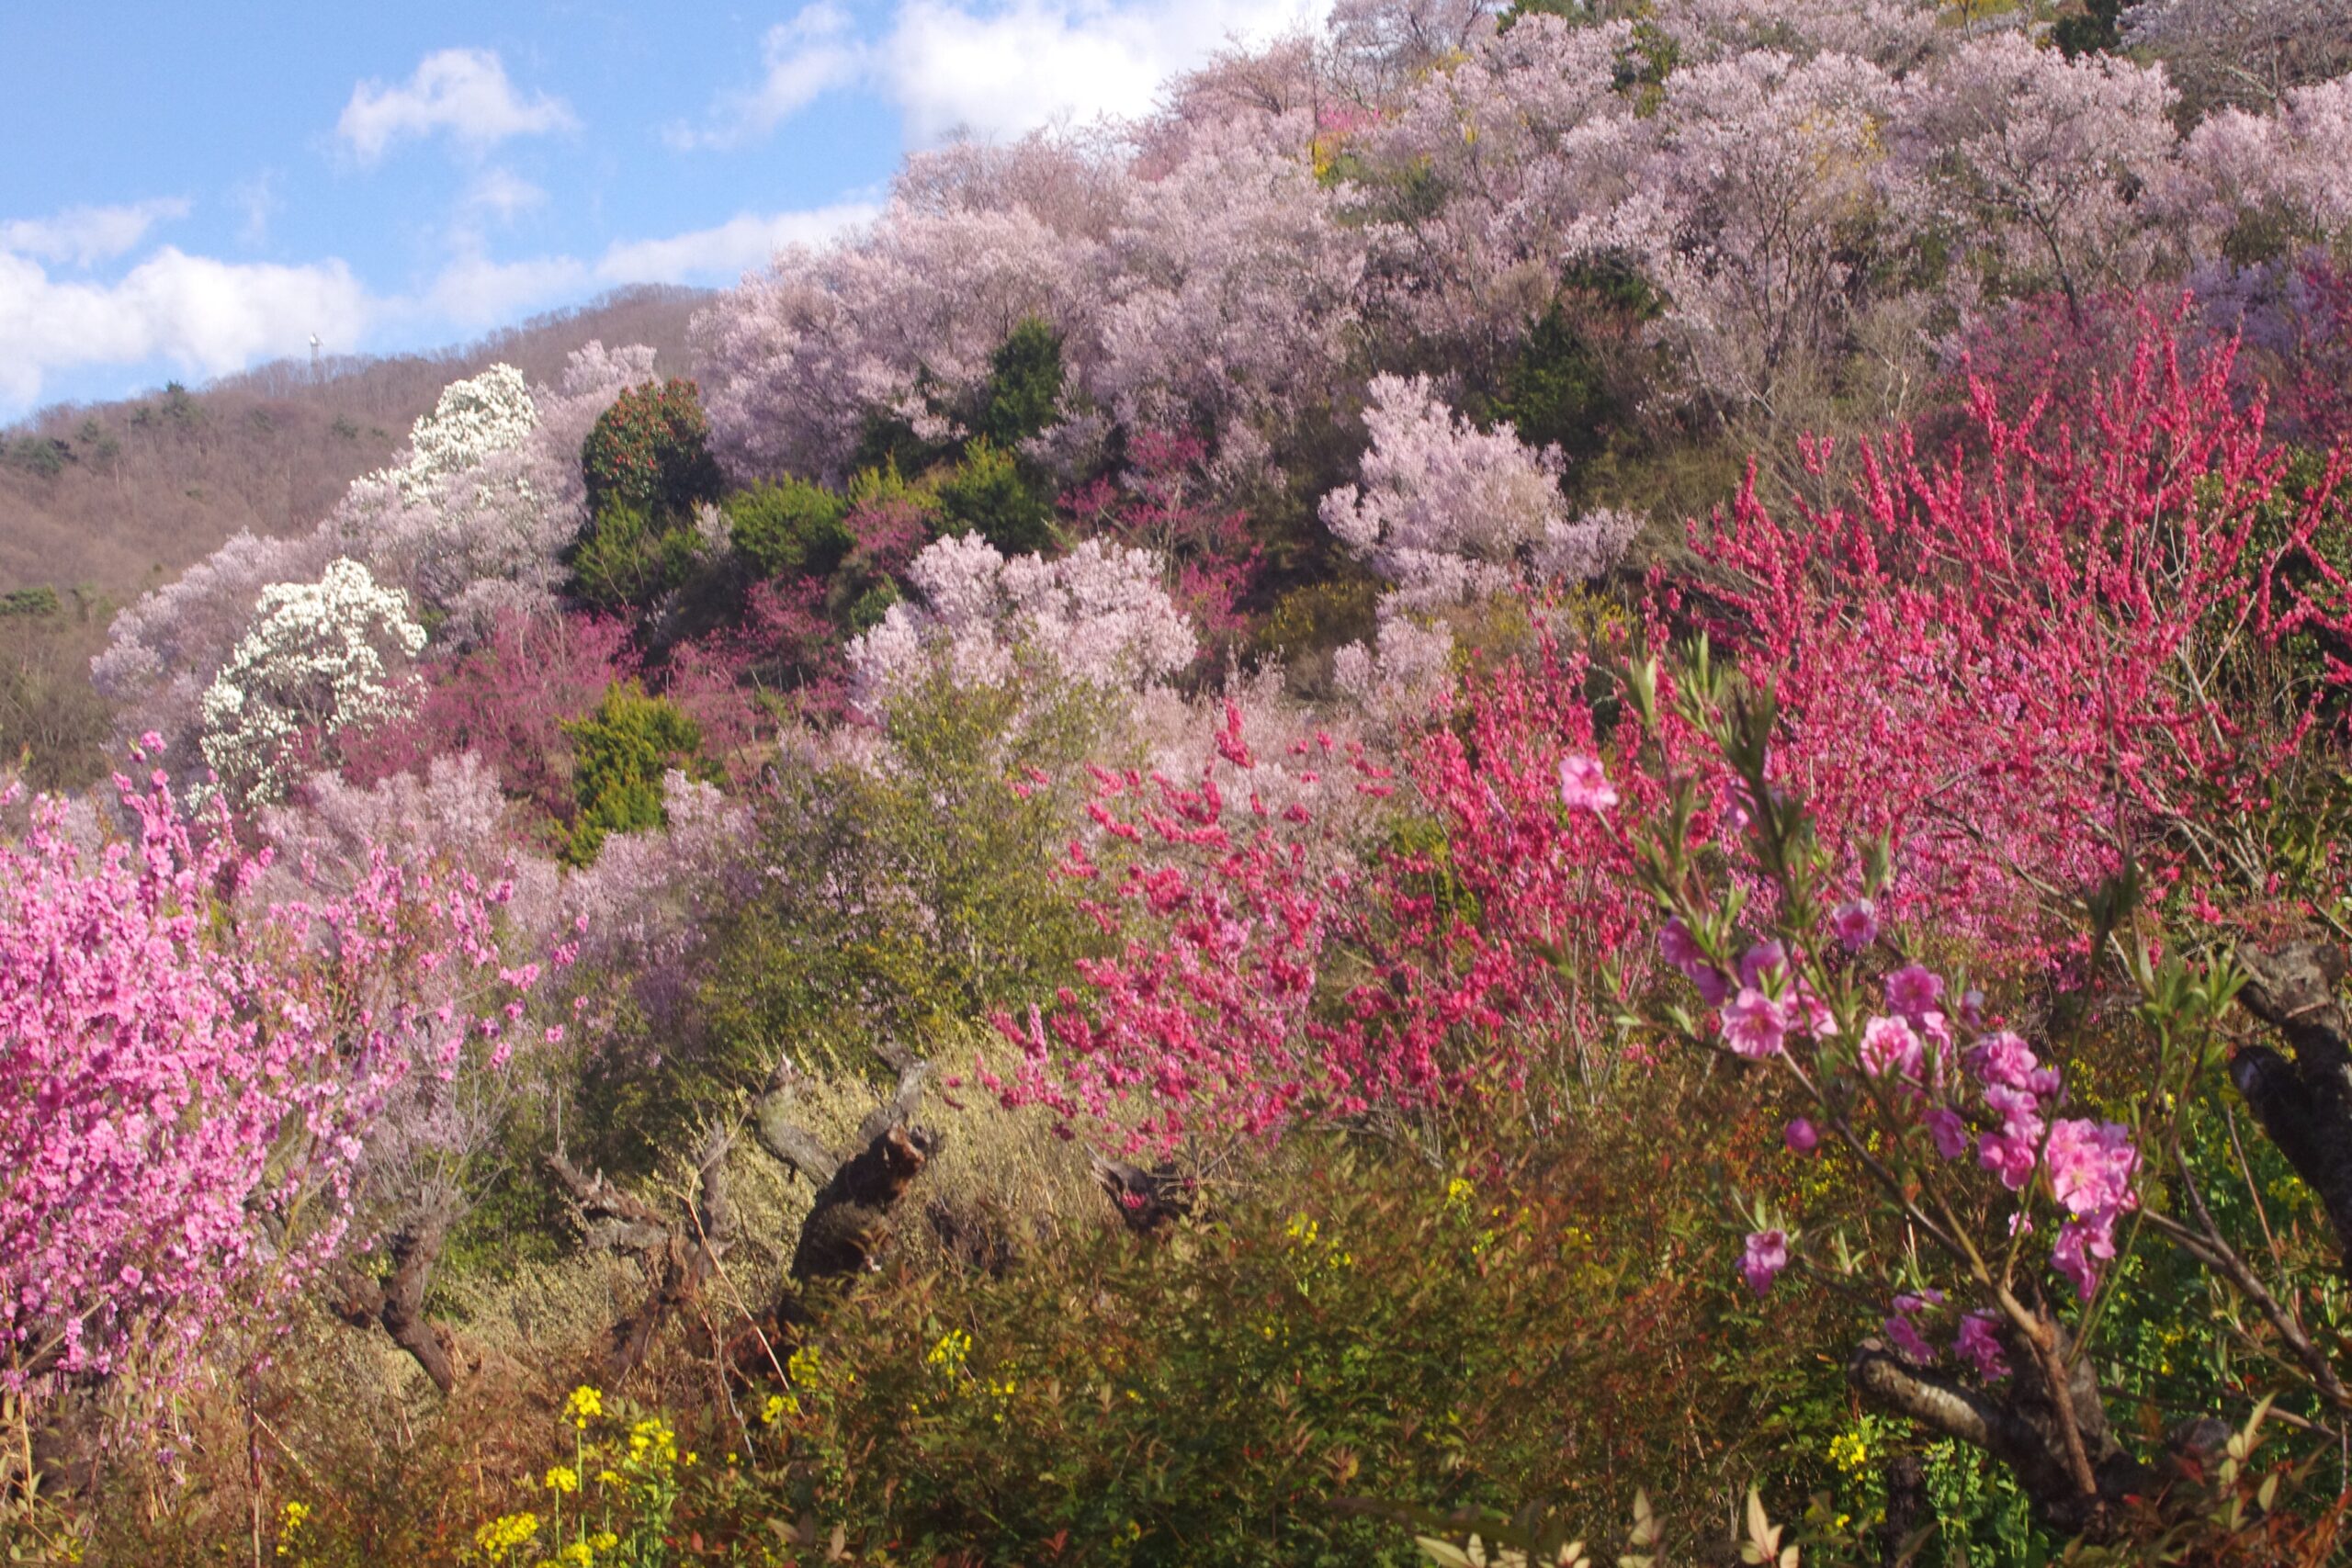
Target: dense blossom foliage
{"type": "Point", "coordinates": [1097, 616]}
{"type": "Point", "coordinates": [184, 1079]}
{"type": "Point", "coordinates": [1449, 512]}
{"type": "Point", "coordinates": [1179, 624]}
{"type": "Point", "coordinates": [473, 532]}
{"type": "Point", "coordinates": [476, 418]}
{"type": "Point", "coordinates": [322, 657]}
{"type": "Point", "coordinates": [2063, 704]}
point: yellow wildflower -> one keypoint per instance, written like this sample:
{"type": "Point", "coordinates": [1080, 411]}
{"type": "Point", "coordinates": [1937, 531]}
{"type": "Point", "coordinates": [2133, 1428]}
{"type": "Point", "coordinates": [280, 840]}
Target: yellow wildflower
{"type": "Point", "coordinates": [290, 1520]}
{"type": "Point", "coordinates": [584, 1402]}
{"type": "Point", "coordinates": [564, 1479]}
{"type": "Point", "coordinates": [505, 1533]}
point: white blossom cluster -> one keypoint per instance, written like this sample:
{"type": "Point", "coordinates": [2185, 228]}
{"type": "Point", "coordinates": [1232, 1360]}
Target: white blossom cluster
{"type": "Point", "coordinates": [1447, 511]}
{"type": "Point", "coordinates": [1097, 616]}
{"type": "Point", "coordinates": [476, 417]}
{"type": "Point", "coordinates": [1450, 514]}
{"type": "Point", "coordinates": [318, 657]}
{"type": "Point", "coordinates": [1405, 672]}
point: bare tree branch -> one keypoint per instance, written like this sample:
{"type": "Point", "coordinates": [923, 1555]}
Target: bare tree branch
{"type": "Point", "coordinates": [680, 1258]}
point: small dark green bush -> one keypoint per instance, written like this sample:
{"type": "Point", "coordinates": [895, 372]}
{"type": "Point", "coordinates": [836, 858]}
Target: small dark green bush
{"type": "Point", "coordinates": [41, 601]}
{"type": "Point", "coordinates": [1025, 385]}
{"type": "Point", "coordinates": [626, 561]}
{"type": "Point", "coordinates": [988, 496]}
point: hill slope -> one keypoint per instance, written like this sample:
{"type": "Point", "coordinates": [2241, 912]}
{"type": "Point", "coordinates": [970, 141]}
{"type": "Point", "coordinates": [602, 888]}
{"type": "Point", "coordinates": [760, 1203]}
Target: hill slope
{"type": "Point", "coordinates": [115, 498]}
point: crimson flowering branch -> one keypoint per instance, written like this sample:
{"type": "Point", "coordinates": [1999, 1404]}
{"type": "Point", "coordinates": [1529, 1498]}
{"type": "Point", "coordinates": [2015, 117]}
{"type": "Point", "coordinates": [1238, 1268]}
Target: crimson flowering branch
{"type": "Point", "coordinates": [1979, 657]}
{"type": "Point", "coordinates": [1201, 1017]}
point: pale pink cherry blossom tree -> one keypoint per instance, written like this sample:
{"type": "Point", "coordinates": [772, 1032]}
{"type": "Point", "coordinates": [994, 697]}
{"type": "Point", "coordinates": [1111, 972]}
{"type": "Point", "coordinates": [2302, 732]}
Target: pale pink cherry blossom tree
{"type": "Point", "coordinates": [1897, 35]}
{"type": "Point", "coordinates": [1749, 213]}
{"type": "Point", "coordinates": [2032, 165]}
{"type": "Point", "coordinates": [2251, 54]}
{"type": "Point", "coordinates": [1229, 296]}
{"type": "Point", "coordinates": [1516, 140]}
{"type": "Point", "coordinates": [1449, 512]}
{"type": "Point", "coordinates": [897, 320]}
{"type": "Point", "coordinates": [1099, 615]}
{"type": "Point", "coordinates": [2290, 170]}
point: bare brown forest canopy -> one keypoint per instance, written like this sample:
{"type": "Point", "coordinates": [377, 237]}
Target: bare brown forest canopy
{"type": "Point", "coordinates": [115, 498]}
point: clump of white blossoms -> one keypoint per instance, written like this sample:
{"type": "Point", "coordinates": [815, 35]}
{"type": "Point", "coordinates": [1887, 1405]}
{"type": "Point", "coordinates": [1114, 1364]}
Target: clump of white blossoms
{"type": "Point", "coordinates": [476, 417]}
{"type": "Point", "coordinates": [1099, 615]}
{"type": "Point", "coordinates": [1446, 512]}
{"type": "Point", "coordinates": [1450, 514]}
{"type": "Point", "coordinates": [1403, 676]}
{"type": "Point", "coordinates": [319, 658]}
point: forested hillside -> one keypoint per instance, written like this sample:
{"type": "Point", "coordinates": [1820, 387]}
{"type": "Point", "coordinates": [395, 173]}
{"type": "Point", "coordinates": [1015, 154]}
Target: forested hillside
{"type": "Point", "coordinates": [1536, 783]}
{"type": "Point", "coordinates": [112, 498]}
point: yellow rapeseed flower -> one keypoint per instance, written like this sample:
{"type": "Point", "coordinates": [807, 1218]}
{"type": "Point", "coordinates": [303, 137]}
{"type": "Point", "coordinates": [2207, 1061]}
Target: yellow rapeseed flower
{"type": "Point", "coordinates": [564, 1479]}
{"type": "Point", "coordinates": [505, 1533]}
{"type": "Point", "coordinates": [585, 1402]}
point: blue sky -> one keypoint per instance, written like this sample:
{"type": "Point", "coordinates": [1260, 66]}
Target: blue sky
{"type": "Point", "coordinates": [189, 189]}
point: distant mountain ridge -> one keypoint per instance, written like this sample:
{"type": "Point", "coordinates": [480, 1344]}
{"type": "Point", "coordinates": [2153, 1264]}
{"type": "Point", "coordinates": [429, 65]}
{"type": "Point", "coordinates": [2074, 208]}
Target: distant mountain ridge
{"type": "Point", "coordinates": [112, 498]}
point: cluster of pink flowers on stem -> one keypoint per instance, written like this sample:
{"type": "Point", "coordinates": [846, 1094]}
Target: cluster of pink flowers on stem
{"type": "Point", "coordinates": [1913, 1070]}
{"type": "Point", "coordinates": [187, 1089]}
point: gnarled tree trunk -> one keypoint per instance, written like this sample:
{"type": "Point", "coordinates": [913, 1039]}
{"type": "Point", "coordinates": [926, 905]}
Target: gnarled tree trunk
{"type": "Point", "coordinates": [396, 1298]}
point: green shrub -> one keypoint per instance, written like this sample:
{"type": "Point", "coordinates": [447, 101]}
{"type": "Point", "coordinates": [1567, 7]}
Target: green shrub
{"type": "Point", "coordinates": [1566, 385]}
{"type": "Point", "coordinates": [626, 561]}
{"type": "Point", "coordinates": [38, 455]}
{"type": "Point", "coordinates": [988, 496]}
{"type": "Point", "coordinates": [622, 750]}
{"type": "Point", "coordinates": [865, 612]}
{"type": "Point", "coordinates": [791, 528]}
{"type": "Point", "coordinates": [1025, 385]}
{"type": "Point", "coordinates": [651, 451]}
{"type": "Point", "coordinates": [907, 901]}
{"type": "Point", "coordinates": [1342, 1325]}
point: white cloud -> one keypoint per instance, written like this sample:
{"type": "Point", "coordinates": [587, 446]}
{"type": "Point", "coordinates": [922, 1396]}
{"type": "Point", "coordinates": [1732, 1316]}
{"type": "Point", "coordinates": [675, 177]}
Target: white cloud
{"type": "Point", "coordinates": [463, 92]}
{"type": "Point", "coordinates": [206, 316]}
{"type": "Point", "coordinates": [81, 235]}
{"type": "Point", "coordinates": [504, 193]}
{"type": "Point", "coordinates": [806, 57]}
{"type": "Point", "coordinates": [474, 292]}
{"type": "Point", "coordinates": [747, 240]}
{"type": "Point", "coordinates": [257, 200]}
{"type": "Point", "coordinates": [993, 69]}
{"type": "Point", "coordinates": [1002, 71]}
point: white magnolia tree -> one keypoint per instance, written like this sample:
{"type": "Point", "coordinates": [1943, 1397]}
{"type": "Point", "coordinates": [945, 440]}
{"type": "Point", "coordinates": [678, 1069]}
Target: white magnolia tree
{"type": "Point", "coordinates": [319, 658]}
